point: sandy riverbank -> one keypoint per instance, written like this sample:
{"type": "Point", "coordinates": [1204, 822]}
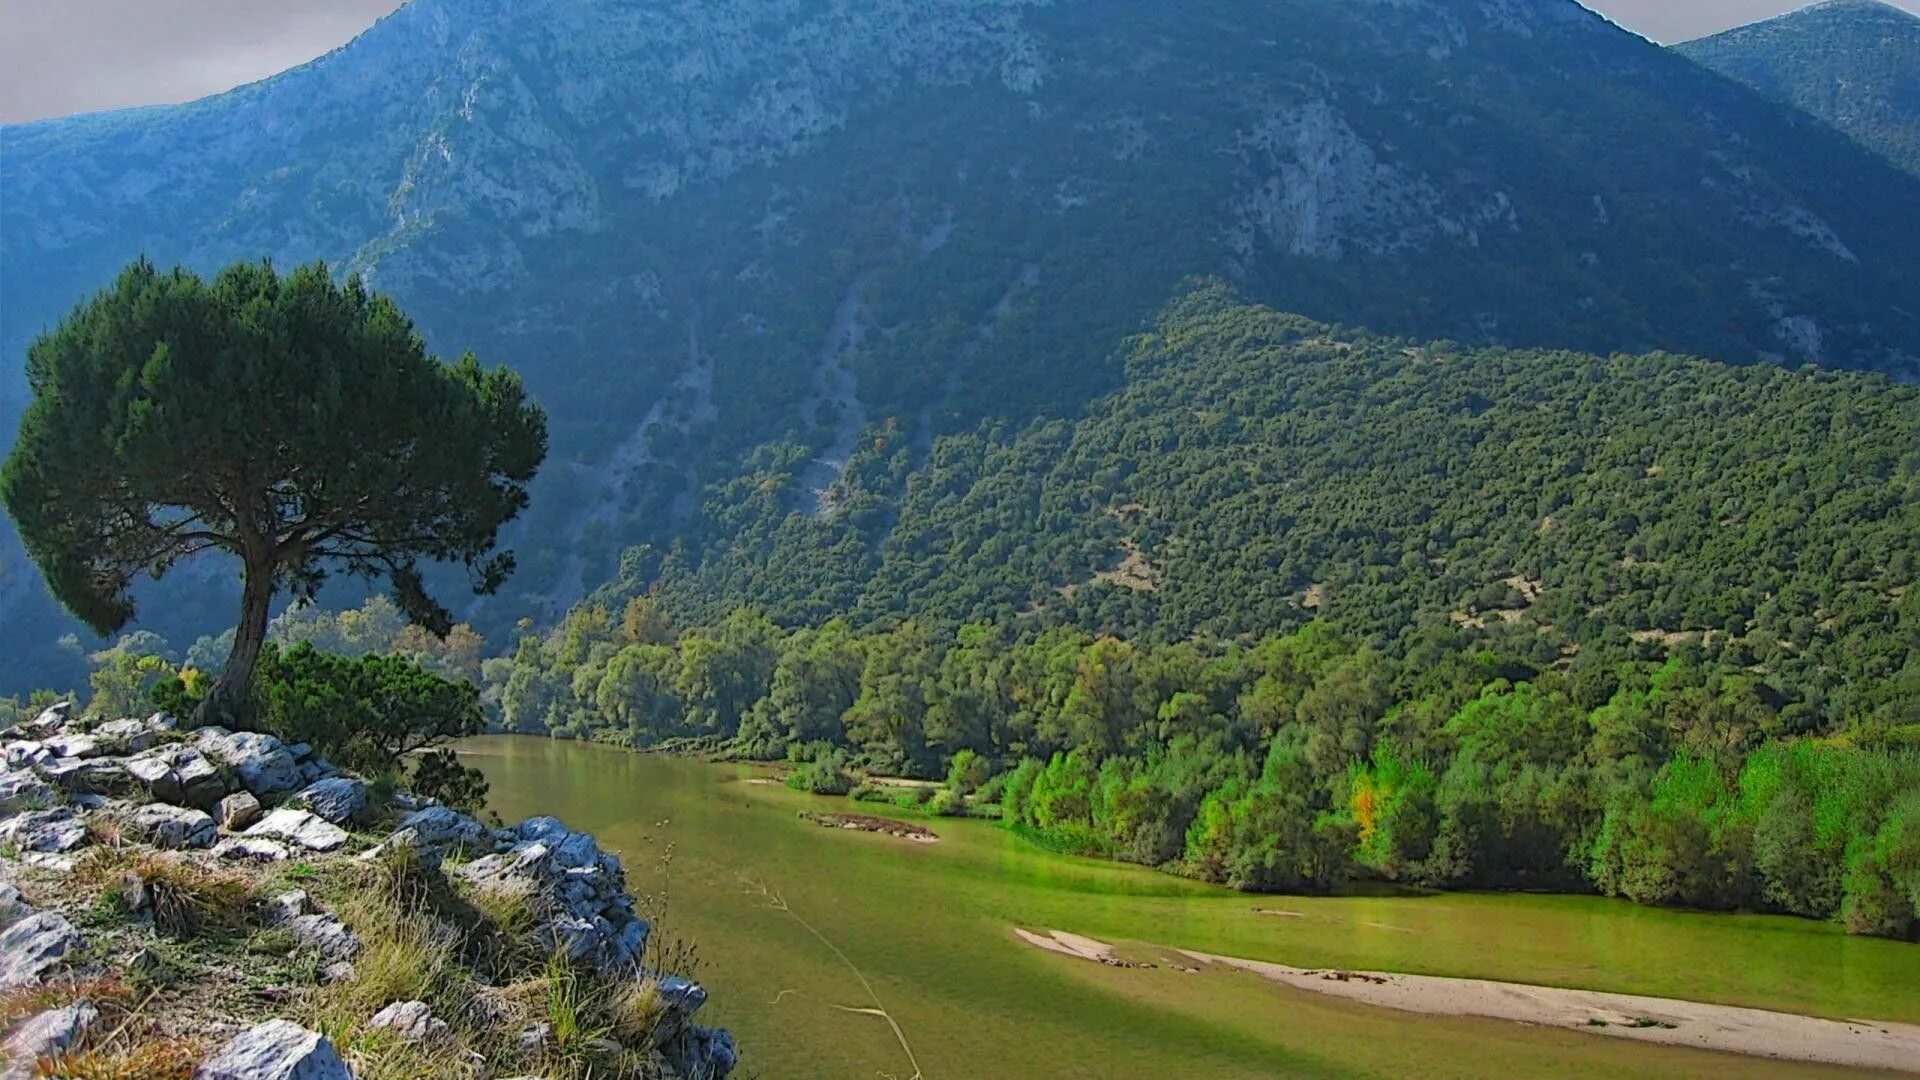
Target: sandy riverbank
{"type": "Point", "coordinates": [1757, 1032]}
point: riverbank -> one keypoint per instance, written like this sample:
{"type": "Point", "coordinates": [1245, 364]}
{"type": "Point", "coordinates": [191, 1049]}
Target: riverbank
{"type": "Point", "coordinates": [1699, 1025]}
{"type": "Point", "coordinates": [927, 926]}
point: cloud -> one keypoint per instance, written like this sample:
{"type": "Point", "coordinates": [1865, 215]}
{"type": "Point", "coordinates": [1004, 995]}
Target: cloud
{"type": "Point", "coordinates": [66, 56]}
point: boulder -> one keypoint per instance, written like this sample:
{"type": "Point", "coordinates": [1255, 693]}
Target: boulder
{"type": "Point", "coordinates": [238, 811]}
{"type": "Point", "coordinates": [179, 774]}
{"type": "Point", "coordinates": [411, 1020]}
{"type": "Point", "coordinates": [175, 827]}
{"type": "Point", "coordinates": [339, 799]}
{"type": "Point", "coordinates": [325, 934]}
{"type": "Point", "coordinates": [126, 736]}
{"type": "Point", "coordinates": [25, 791]}
{"type": "Point", "coordinates": [27, 754]}
{"type": "Point", "coordinates": [252, 848]}
{"type": "Point", "coordinates": [57, 830]}
{"type": "Point", "coordinates": [46, 1034]}
{"type": "Point", "coordinates": [34, 945]}
{"type": "Point", "coordinates": [438, 826]}
{"type": "Point", "coordinates": [289, 906]}
{"type": "Point", "coordinates": [260, 760]}
{"type": "Point", "coordinates": [299, 827]}
{"type": "Point", "coordinates": [76, 746]}
{"type": "Point", "coordinates": [275, 1050]}
{"type": "Point", "coordinates": [703, 1052]}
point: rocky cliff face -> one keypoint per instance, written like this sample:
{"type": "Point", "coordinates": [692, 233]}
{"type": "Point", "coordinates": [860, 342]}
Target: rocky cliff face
{"type": "Point", "coordinates": [658, 209]}
{"type": "Point", "coordinates": [242, 891]}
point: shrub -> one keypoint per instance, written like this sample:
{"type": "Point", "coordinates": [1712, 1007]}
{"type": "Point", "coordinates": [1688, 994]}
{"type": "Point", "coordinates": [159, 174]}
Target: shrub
{"type": "Point", "coordinates": [366, 713]}
{"type": "Point", "coordinates": [825, 775]}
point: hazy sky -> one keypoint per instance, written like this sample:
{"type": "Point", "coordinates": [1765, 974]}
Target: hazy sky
{"type": "Point", "coordinates": [66, 56]}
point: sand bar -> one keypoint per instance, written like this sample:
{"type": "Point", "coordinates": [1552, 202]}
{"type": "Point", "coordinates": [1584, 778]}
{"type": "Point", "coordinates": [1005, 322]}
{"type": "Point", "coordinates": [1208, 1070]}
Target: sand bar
{"type": "Point", "coordinates": [1865, 1044]}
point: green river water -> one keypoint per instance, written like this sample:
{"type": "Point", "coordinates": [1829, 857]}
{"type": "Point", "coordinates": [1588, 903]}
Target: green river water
{"type": "Point", "coordinates": [927, 929]}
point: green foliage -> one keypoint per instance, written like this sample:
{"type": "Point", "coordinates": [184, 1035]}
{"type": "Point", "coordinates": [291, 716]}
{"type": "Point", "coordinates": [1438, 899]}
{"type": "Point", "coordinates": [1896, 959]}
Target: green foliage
{"type": "Point", "coordinates": [366, 714]}
{"type": "Point", "coordinates": [438, 774]}
{"type": "Point", "coordinates": [293, 424]}
{"type": "Point", "coordinates": [825, 773]}
{"type": "Point", "coordinates": [966, 772]}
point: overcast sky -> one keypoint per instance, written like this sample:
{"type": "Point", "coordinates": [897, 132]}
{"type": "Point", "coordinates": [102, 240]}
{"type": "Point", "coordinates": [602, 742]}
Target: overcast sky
{"type": "Point", "coordinates": [66, 56]}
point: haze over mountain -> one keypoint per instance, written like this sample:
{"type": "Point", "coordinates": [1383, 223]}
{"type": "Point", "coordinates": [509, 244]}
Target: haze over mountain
{"type": "Point", "coordinates": [729, 239]}
{"type": "Point", "coordinates": [1853, 63]}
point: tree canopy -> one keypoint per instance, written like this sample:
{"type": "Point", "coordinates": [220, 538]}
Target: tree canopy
{"type": "Point", "coordinates": [295, 423]}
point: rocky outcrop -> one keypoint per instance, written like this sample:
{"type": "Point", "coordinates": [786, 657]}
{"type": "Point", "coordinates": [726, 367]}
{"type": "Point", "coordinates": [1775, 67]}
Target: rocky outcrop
{"type": "Point", "coordinates": [589, 913]}
{"type": "Point", "coordinates": [287, 804]}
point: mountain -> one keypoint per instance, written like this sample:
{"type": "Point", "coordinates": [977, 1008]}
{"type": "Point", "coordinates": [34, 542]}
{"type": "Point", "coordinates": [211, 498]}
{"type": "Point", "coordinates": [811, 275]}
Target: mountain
{"type": "Point", "coordinates": [1853, 63]}
{"type": "Point", "coordinates": [728, 239]}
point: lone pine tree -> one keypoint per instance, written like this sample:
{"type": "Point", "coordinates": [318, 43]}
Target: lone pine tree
{"type": "Point", "coordinates": [295, 423]}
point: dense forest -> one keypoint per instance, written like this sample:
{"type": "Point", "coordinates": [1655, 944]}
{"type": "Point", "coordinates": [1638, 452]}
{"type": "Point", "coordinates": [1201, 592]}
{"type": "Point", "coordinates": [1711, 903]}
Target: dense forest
{"type": "Point", "coordinates": [1303, 606]}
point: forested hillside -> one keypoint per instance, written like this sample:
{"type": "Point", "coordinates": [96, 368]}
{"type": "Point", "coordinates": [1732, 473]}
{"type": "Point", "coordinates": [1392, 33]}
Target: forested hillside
{"type": "Point", "coordinates": [1300, 606]}
{"type": "Point", "coordinates": [748, 239]}
{"type": "Point", "coordinates": [1853, 63]}
{"type": "Point", "coordinates": [1260, 470]}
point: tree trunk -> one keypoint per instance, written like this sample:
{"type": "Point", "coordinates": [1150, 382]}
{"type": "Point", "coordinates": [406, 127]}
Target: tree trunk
{"type": "Point", "coordinates": [226, 703]}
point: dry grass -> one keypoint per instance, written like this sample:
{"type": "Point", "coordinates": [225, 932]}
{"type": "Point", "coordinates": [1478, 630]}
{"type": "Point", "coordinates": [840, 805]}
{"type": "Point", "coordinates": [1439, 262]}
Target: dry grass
{"type": "Point", "coordinates": [185, 898]}
{"type": "Point", "coordinates": [164, 1059]}
{"type": "Point", "coordinates": [106, 992]}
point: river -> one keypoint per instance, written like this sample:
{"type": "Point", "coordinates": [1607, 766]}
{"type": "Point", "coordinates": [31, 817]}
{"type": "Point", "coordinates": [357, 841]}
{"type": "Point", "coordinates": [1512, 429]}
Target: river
{"type": "Point", "coordinates": [806, 936]}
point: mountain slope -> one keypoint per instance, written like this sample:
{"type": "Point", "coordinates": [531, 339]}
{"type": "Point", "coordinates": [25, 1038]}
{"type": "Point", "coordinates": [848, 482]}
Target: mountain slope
{"type": "Point", "coordinates": [1261, 470]}
{"type": "Point", "coordinates": [1853, 63]}
{"type": "Point", "coordinates": [716, 234]}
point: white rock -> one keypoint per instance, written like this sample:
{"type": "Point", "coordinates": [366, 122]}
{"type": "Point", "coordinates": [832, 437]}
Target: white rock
{"type": "Point", "coordinates": [126, 736]}
{"type": "Point", "coordinates": [46, 1034]}
{"type": "Point", "coordinates": [300, 827]}
{"type": "Point", "coordinates": [238, 811]}
{"type": "Point", "coordinates": [289, 906]}
{"type": "Point", "coordinates": [33, 945]}
{"type": "Point", "coordinates": [262, 761]}
{"type": "Point", "coordinates": [54, 831]}
{"type": "Point", "coordinates": [12, 907]}
{"type": "Point", "coordinates": [326, 934]}
{"type": "Point", "coordinates": [174, 827]}
{"type": "Point", "coordinates": [338, 799]}
{"type": "Point", "coordinates": [76, 746]}
{"type": "Point", "coordinates": [255, 848]}
{"type": "Point", "coordinates": [25, 791]}
{"type": "Point", "coordinates": [437, 826]}
{"type": "Point", "coordinates": [275, 1050]}
{"type": "Point", "coordinates": [411, 1020]}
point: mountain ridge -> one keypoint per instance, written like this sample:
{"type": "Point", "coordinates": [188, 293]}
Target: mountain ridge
{"type": "Point", "coordinates": [709, 233]}
{"type": "Point", "coordinates": [1853, 63]}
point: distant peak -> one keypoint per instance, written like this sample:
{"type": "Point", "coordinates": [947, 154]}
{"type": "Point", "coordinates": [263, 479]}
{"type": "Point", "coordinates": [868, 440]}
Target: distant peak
{"type": "Point", "coordinates": [1874, 8]}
